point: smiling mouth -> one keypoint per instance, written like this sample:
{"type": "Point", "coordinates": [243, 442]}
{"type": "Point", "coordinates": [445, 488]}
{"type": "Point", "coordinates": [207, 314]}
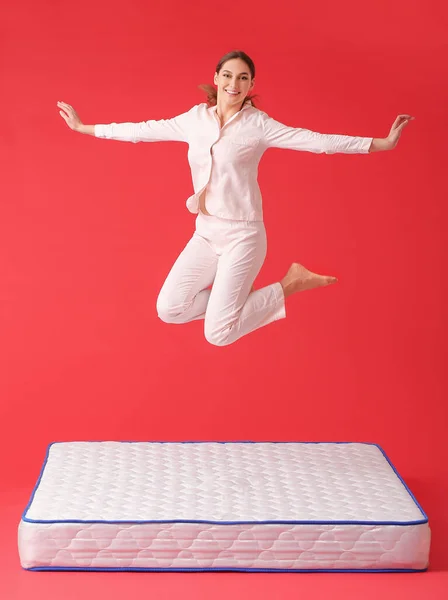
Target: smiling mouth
{"type": "Point", "coordinates": [232, 93]}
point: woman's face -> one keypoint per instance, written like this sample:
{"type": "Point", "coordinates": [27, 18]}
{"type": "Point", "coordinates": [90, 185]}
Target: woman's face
{"type": "Point", "coordinates": [234, 82]}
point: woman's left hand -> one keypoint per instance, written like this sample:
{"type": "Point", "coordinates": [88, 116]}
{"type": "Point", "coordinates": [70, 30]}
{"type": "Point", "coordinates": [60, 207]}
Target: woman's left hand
{"type": "Point", "coordinates": [399, 124]}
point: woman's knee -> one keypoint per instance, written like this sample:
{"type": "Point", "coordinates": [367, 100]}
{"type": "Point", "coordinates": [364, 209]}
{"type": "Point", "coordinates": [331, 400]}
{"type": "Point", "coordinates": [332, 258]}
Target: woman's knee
{"type": "Point", "coordinates": [166, 310]}
{"type": "Point", "coordinates": [217, 336]}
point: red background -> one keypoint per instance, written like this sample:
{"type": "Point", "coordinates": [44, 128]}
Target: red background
{"type": "Point", "coordinates": [89, 229]}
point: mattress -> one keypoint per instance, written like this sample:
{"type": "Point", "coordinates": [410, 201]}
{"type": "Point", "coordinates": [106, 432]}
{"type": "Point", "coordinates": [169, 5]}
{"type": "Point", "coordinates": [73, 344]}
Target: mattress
{"type": "Point", "coordinates": [221, 506]}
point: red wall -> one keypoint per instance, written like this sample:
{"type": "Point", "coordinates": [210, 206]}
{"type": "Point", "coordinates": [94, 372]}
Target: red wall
{"type": "Point", "coordinates": [89, 229]}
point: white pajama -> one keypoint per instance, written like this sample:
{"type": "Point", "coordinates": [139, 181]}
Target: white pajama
{"type": "Point", "coordinates": [228, 254]}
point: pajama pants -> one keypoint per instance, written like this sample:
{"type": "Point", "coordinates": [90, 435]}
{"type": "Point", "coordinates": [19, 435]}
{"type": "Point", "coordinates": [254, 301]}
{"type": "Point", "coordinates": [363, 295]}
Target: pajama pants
{"type": "Point", "coordinates": [228, 254]}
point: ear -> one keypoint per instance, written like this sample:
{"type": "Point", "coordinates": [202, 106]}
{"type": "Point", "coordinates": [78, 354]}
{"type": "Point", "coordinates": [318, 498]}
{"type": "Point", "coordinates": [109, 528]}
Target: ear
{"type": "Point", "coordinates": [252, 83]}
{"type": "Point", "coordinates": [215, 79]}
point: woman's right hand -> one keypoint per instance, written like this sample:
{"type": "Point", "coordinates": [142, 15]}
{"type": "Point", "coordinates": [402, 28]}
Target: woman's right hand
{"type": "Point", "coordinates": [70, 116]}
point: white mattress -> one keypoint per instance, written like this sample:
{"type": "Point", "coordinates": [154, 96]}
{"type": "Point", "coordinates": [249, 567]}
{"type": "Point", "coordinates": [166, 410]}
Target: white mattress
{"type": "Point", "coordinates": [210, 506]}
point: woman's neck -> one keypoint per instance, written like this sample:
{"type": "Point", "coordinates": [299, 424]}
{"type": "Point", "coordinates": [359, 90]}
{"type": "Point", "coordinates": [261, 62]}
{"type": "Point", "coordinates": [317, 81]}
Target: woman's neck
{"type": "Point", "coordinates": [224, 113]}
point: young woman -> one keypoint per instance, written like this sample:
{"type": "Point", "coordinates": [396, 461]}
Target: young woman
{"type": "Point", "coordinates": [227, 137]}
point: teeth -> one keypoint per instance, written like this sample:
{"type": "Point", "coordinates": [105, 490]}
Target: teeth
{"type": "Point", "coordinates": [232, 93]}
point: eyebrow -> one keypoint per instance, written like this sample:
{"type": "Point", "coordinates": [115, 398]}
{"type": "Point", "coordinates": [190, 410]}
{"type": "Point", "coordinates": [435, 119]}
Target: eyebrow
{"type": "Point", "coordinates": [227, 71]}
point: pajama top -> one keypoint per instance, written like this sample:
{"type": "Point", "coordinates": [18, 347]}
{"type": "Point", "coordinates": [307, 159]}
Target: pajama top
{"type": "Point", "coordinates": [225, 159]}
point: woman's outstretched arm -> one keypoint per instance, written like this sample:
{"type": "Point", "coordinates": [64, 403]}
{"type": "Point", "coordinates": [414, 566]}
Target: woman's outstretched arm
{"type": "Point", "coordinates": [278, 135]}
{"type": "Point", "coordinates": [175, 129]}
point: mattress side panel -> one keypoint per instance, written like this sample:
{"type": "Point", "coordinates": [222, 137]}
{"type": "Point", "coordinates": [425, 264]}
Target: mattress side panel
{"type": "Point", "coordinates": [208, 546]}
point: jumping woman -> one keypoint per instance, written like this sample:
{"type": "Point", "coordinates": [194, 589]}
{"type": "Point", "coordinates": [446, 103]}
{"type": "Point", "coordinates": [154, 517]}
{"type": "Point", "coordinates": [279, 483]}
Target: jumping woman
{"type": "Point", "coordinates": [226, 137]}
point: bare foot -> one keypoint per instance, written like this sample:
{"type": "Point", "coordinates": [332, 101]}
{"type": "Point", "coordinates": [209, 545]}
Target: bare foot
{"type": "Point", "coordinates": [299, 279]}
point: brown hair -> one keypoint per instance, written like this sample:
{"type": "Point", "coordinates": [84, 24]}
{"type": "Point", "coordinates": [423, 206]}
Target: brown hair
{"type": "Point", "coordinates": [212, 92]}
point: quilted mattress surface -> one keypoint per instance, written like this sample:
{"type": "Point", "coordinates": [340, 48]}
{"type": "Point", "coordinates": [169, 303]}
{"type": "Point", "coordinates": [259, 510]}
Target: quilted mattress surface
{"type": "Point", "coordinates": [210, 506]}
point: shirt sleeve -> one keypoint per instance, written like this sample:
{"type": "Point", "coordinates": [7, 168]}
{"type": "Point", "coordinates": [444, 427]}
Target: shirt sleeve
{"type": "Point", "coordinates": [164, 130]}
{"type": "Point", "coordinates": [278, 135]}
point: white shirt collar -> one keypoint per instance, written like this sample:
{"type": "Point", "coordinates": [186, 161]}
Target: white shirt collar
{"type": "Point", "coordinates": [247, 103]}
